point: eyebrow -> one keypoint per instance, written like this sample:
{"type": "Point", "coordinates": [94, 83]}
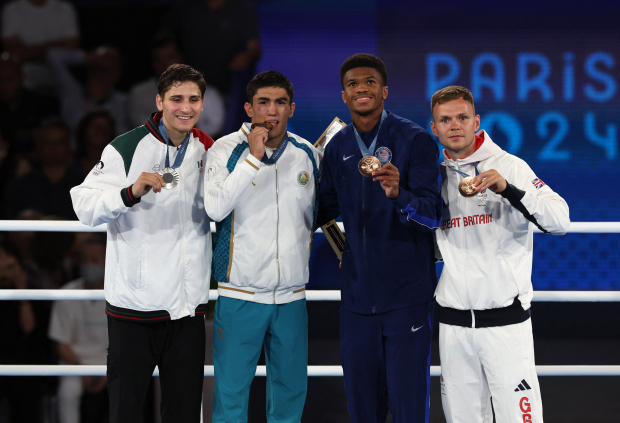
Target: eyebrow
{"type": "Point", "coordinates": [355, 79]}
{"type": "Point", "coordinates": [269, 99]}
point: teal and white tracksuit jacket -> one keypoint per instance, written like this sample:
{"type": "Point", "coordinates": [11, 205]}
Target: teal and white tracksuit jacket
{"type": "Point", "coordinates": [265, 216]}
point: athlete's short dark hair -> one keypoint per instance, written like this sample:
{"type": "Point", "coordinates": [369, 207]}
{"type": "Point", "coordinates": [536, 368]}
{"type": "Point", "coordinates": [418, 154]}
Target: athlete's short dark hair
{"type": "Point", "coordinates": [452, 92]}
{"type": "Point", "coordinates": [269, 79]}
{"type": "Point", "coordinates": [177, 74]}
{"type": "Point", "coordinates": [363, 60]}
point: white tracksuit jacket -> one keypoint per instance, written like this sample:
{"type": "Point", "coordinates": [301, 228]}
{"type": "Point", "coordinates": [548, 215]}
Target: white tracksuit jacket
{"type": "Point", "coordinates": [159, 248]}
{"type": "Point", "coordinates": [265, 216]}
{"type": "Point", "coordinates": [485, 241]}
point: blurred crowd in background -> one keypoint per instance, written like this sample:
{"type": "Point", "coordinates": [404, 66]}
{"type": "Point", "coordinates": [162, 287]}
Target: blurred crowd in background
{"type": "Point", "coordinates": [60, 105]}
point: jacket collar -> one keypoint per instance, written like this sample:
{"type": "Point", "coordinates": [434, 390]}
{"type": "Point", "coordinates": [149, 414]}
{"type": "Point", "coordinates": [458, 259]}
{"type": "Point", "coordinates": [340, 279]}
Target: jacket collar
{"type": "Point", "coordinates": [152, 124]}
{"type": "Point", "coordinates": [485, 148]}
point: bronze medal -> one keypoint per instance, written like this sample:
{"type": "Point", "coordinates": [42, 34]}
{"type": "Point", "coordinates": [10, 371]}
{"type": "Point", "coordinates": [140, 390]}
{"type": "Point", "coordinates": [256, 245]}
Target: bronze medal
{"type": "Point", "coordinates": [466, 187]}
{"type": "Point", "coordinates": [368, 165]}
{"type": "Point", "coordinates": [262, 125]}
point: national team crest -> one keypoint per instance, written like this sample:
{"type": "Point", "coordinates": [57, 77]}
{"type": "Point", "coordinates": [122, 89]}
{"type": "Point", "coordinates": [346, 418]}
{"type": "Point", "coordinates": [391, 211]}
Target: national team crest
{"type": "Point", "coordinates": [303, 178]}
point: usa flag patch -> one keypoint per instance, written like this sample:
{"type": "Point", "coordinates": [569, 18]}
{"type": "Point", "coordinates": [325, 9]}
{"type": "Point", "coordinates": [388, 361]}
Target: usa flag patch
{"type": "Point", "coordinates": [538, 183]}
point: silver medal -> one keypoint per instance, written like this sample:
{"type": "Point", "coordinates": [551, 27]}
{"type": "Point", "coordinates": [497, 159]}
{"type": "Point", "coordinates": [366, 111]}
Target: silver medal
{"type": "Point", "coordinates": [170, 176]}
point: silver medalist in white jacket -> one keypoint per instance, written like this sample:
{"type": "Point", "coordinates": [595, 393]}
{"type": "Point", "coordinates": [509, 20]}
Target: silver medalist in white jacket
{"type": "Point", "coordinates": [158, 250]}
{"type": "Point", "coordinates": [486, 243]}
{"type": "Point", "coordinates": [265, 216]}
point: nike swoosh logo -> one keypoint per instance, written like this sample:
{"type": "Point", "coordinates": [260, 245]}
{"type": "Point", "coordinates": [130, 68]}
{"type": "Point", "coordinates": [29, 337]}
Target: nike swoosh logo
{"type": "Point", "coordinates": [345, 158]}
{"type": "Point", "coordinates": [414, 329]}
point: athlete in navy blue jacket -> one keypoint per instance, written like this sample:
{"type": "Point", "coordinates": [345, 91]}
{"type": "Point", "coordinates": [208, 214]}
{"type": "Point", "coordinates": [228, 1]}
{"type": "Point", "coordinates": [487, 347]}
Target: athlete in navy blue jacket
{"type": "Point", "coordinates": [388, 264]}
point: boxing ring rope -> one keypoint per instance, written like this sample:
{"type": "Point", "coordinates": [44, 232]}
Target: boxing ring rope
{"type": "Point", "coordinates": [77, 226]}
{"type": "Point", "coordinates": [322, 295]}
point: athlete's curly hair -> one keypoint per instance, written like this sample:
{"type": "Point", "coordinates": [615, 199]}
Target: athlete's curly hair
{"type": "Point", "coordinates": [363, 60]}
{"type": "Point", "coordinates": [177, 74]}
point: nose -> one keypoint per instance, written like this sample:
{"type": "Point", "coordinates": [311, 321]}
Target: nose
{"type": "Point", "coordinates": [454, 124]}
{"type": "Point", "coordinates": [272, 109]}
{"type": "Point", "coordinates": [185, 105]}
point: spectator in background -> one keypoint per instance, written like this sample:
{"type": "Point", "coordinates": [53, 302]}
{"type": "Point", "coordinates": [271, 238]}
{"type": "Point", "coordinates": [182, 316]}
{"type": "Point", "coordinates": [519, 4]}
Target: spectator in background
{"type": "Point", "coordinates": [220, 39]}
{"type": "Point", "coordinates": [165, 52]}
{"type": "Point", "coordinates": [21, 110]}
{"type": "Point", "coordinates": [93, 133]}
{"type": "Point", "coordinates": [80, 330]}
{"type": "Point", "coordinates": [103, 71]}
{"type": "Point", "coordinates": [30, 28]}
{"type": "Point", "coordinates": [46, 187]}
{"type": "Point", "coordinates": [23, 325]}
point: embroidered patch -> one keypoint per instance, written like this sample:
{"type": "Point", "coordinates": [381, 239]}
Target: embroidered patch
{"type": "Point", "coordinates": [156, 167]}
{"type": "Point", "coordinates": [98, 169]}
{"type": "Point", "coordinates": [538, 183]}
{"type": "Point", "coordinates": [210, 172]}
{"type": "Point", "coordinates": [303, 178]}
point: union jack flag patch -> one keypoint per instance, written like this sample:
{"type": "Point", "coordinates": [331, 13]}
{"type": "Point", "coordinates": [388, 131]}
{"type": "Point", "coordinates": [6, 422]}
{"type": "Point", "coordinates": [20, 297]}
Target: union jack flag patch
{"type": "Point", "coordinates": [538, 183]}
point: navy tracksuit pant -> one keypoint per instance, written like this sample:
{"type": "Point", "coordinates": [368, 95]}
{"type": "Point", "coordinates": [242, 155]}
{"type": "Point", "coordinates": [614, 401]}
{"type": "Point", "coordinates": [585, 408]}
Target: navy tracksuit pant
{"type": "Point", "coordinates": [386, 361]}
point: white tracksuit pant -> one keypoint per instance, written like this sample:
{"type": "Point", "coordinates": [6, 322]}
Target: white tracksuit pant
{"type": "Point", "coordinates": [480, 363]}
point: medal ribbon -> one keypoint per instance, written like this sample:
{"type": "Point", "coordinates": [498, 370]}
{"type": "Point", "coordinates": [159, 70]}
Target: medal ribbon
{"type": "Point", "coordinates": [369, 151]}
{"type": "Point", "coordinates": [182, 148]}
{"type": "Point", "coordinates": [276, 153]}
{"type": "Point", "coordinates": [463, 174]}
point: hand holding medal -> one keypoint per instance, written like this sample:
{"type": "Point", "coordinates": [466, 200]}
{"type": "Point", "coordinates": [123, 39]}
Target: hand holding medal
{"type": "Point", "coordinates": [258, 137]}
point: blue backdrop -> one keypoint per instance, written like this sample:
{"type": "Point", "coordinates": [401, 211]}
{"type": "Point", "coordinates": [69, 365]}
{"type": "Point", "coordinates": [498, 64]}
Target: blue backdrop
{"type": "Point", "coordinates": [545, 79]}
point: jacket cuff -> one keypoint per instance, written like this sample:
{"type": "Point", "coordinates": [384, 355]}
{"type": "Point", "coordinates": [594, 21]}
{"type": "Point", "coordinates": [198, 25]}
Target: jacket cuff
{"type": "Point", "coordinates": [253, 162]}
{"type": "Point", "coordinates": [512, 194]}
{"type": "Point", "coordinates": [128, 199]}
{"type": "Point", "coordinates": [400, 202]}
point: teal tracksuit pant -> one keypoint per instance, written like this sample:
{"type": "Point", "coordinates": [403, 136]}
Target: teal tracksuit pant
{"type": "Point", "coordinates": [240, 330]}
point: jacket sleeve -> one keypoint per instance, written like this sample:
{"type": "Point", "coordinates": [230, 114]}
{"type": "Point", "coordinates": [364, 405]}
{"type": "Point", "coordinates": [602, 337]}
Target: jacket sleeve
{"type": "Point", "coordinates": [536, 202]}
{"type": "Point", "coordinates": [329, 208]}
{"type": "Point", "coordinates": [419, 205]}
{"type": "Point", "coordinates": [224, 189]}
{"type": "Point", "coordinates": [104, 194]}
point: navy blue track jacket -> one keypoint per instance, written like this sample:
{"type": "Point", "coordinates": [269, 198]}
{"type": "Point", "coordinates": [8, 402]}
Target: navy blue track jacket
{"type": "Point", "coordinates": [389, 260]}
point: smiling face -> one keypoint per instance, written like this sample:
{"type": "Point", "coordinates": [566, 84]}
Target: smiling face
{"type": "Point", "coordinates": [364, 91]}
{"type": "Point", "coordinates": [181, 106]}
{"type": "Point", "coordinates": [273, 105]}
{"type": "Point", "coordinates": [455, 124]}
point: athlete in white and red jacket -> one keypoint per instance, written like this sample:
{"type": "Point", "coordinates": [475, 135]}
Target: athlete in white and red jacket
{"type": "Point", "coordinates": [485, 290]}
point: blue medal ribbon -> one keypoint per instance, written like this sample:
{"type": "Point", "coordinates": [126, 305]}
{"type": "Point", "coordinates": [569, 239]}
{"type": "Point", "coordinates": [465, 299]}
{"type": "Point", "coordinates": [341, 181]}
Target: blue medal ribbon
{"type": "Point", "coordinates": [369, 151]}
{"type": "Point", "coordinates": [463, 174]}
{"type": "Point", "coordinates": [276, 153]}
{"type": "Point", "coordinates": [182, 148]}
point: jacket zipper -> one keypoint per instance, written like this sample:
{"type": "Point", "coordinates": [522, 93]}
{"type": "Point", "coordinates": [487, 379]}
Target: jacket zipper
{"type": "Point", "coordinates": [471, 308]}
{"type": "Point", "coordinates": [365, 276]}
{"type": "Point", "coordinates": [182, 238]}
{"type": "Point", "coordinates": [277, 233]}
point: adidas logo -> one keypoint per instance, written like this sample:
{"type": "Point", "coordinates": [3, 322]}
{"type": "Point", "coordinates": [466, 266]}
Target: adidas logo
{"type": "Point", "coordinates": [523, 386]}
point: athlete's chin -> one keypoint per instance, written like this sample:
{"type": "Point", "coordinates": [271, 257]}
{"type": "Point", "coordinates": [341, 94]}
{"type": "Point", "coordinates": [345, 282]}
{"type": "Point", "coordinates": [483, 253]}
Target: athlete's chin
{"type": "Point", "coordinates": [364, 112]}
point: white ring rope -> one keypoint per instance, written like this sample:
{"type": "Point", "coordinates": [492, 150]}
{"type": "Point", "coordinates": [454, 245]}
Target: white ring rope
{"type": "Point", "coordinates": [319, 295]}
{"type": "Point", "coordinates": [311, 295]}
{"type": "Point", "coordinates": [77, 226]}
{"type": "Point", "coordinates": [84, 370]}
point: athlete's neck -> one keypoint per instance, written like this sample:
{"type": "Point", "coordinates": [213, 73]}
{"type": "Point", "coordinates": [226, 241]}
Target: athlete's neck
{"type": "Point", "coordinates": [175, 137]}
{"type": "Point", "coordinates": [274, 143]}
{"type": "Point", "coordinates": [366, 123]}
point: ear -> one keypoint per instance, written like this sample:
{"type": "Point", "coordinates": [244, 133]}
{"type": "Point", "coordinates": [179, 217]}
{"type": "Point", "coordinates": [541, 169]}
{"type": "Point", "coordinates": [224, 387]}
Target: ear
{"type": "Point", "coordinates": [160, 103]}
{"type": "Point", "coordinates": [344, 99]}
{"type": "Point", "coordinates": [248, 109]}
{"type": "Point", "coordinates": [434, 129]}
{"type": "Point", "coordinates": [290, 114]}
{"type": "Point", "coordinates": [477, 123]}
{"type": "Point", "coordinates": [385, 92]}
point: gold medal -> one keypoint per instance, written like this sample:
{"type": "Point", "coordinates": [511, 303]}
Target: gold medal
{"type": "Point", "coordinates": [262, 125]}
{"type": "Point", "coordinates": [368, 165]}
{"type": "Point", "coordinates": [170, 176]}
{"type": "Point", "coordinates": [466, 187]}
